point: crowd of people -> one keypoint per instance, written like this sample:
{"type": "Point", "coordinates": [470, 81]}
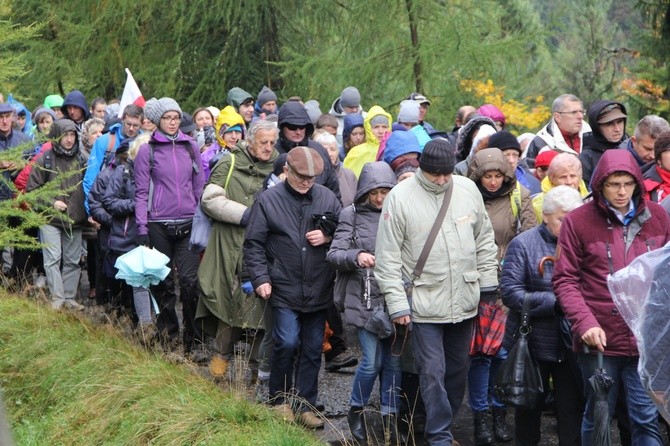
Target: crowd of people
{"type": "Point", "coordinates": [428, 242]}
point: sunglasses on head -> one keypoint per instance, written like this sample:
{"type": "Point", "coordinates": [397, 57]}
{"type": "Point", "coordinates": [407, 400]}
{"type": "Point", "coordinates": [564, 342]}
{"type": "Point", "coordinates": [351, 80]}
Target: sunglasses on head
{"type": "Point", "coordinates": [293, 127]}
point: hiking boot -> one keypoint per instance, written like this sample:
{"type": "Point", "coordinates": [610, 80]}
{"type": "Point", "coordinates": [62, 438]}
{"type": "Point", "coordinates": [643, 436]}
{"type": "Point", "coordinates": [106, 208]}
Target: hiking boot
{"type": "Point", "coordinates": [218, 366]}
{"type": "Point", "coordinates": [72, 304]}
{"type": "Point", "coordinates": [340, 361]}
{"type": "Point", "coordinates": [263, 391]}
{"type": "Point", "coordinates": [146, 333]}
{"type": "Point", "coordinates": [483, 434]}
{"type": "Point", "coordinates": [41, 281]}
{"type": "Point", "coordinates": [285, 412]}
{"type": "Point", "coordinates": [310, 420]}
{"type": "Point", "coordinates": [501, 430]}
{"type": "Point", "coordinates": [356, 421]}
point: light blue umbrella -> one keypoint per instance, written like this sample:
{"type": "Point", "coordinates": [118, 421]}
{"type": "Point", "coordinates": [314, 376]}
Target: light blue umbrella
{"type": "Point", "coordinates": [142, 267]}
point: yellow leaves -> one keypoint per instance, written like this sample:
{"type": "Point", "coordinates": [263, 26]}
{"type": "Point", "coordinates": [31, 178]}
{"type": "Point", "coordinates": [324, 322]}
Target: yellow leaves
{"type": "Point", "coordinates": [646, 92]}
{"type": "Point", "coordinates": [530, 114]}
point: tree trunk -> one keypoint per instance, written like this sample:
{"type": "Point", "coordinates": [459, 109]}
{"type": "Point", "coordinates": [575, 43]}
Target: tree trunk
{"type": "Point", "coordinates": [414, 36]}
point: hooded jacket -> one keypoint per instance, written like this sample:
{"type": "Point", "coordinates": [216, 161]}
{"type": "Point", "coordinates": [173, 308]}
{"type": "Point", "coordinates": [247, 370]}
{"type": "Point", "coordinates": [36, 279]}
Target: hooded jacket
{"type": "Point", "coordinates": [294, 113]}
{"type": "Point", "coordinates": [57, 160]}
{"type": "Point", "coordinates": [594, 243]}
{"type": "Point", "coordinates": [20, 108]}
{"type": "Point", "coordinates": [177, 179]}
{"type": "Point", "coordinates": [337, 111]}
{"type": "Point", "coordinates": [350, 122]}
{"type": "Point", "coordinates": [545, 184]}
{"type": "Point", "coordinates": [119, 202]}
{"type": "Point", "coordinates": [505, 224]}
{"type": "Point", "coordinates": [595, 143]}
{"type": "Point", "coordinates": [227, 118]}
{"type": "Point", "coordinates": [76, 98]}
{"type": "Point", "coordinates": [366, 152]}
{"type": "Point", "coordinates": [7, 142]}
{"type": "Point", "coordinates": [237, 96]}
{"type": "Point", "coordinates": [98, 156]}
{"type": "Point", "coordinates": [356, 233]}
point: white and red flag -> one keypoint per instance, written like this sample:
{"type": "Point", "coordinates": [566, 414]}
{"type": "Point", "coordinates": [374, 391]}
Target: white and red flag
{"type": "Point", "coordinates": [131, 94]}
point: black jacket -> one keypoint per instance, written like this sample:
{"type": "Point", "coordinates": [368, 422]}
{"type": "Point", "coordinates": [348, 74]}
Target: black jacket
{"type": "Point", "coordinates": [276, 250]}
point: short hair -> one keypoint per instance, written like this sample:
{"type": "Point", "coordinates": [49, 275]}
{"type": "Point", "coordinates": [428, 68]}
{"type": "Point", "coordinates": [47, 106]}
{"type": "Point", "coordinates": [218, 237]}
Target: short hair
{"type": "Point", "coordinates": [261, 124]}
{"type": "Point", "coordinates": [140, 139]}
{"type": "Point", "coordinates": [132, 110]}
{"type": "Point", "coordinates": [326, 120]}
{"type": "Point", "coordinates": [89, 126]}
{"type": "Point", "coordinates": [564, 160]}
{"type": "Point", "coordinates": [561, 198]}
{"type": "Point", "coordinates": [560, 101]}
{"type": "Point", "coordinates": [662, 144]}
{"type": "Point", "coordinates": [200, 109]}
{"type": "Point", "coordinates": [325, 138]}
{"type": "Point", "coordinates": [651, 126]}
{"type": "Point", "coordinates": [98, 101]}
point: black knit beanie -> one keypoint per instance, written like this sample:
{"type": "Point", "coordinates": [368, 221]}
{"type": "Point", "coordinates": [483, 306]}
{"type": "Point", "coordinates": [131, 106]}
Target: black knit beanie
{"type": "Point", "coordinates": [438, 157]}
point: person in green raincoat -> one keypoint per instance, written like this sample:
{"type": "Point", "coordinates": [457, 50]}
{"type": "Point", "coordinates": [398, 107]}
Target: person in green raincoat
{"type": "Point", "coordinates": [227, 305]}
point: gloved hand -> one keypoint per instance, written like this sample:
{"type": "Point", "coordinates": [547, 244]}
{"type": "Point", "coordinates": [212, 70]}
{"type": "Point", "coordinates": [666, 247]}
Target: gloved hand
{"type": "Point", "coordinates": [247, 287]}
{"type": "Point", "coordinates": [142, 240]}
{"type": "Point", "coordinates": [245, 217]}
{"type": "Point", "coordinates": [489, 296]}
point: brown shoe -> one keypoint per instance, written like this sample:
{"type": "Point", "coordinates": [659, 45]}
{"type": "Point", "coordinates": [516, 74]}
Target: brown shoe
{"type": "Point", "coordinates": [310, 420]}
{"type": "Point", "coordinates": [218, 366]}
{"type": "Point", "coordinates": [285, 412]}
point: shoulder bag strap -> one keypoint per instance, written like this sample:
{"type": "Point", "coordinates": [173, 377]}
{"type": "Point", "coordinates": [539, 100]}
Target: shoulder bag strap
{"type": "Point", "coordinates": [418, 269]}
{"type": "Point", "coordinates": [525, 313]}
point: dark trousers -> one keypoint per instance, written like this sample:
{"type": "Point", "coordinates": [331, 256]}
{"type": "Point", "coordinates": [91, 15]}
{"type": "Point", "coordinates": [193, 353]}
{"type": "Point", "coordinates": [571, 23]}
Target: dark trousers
{"type": "Point", "coordinates": [441, 352]}
{"type": "Point", "coordinates": [26, 259]}
{"type": "Point", "coordinates": [91, 262]}
{"type": "Point", "coordinates": [172, 240]}
{"type": "Point", "coordinates": [569, 407]}
{"type": "Point", "coordinates": [298, 343]}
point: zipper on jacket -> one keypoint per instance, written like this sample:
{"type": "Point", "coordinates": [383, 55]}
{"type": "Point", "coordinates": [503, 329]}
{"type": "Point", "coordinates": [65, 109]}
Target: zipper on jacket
{"type": "Point", "coordinates": [176, 174]}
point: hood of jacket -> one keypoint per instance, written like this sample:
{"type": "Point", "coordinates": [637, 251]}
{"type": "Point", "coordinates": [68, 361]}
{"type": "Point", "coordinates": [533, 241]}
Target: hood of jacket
{"type": "Point", "coordinates": [351, 121]}
{"type": "Point", "coordinates": [374, 175]}
{"type": "Point", "coordinates": [600, 143]}
{"type": "Point", "coordinates": [399, 143]}
{"type": "Point", "coordinates": [59, 127]}
{"type": "Point", "coordinates": [375, 110]}
{"type": "Point", "coordinates": [237, 96]}
{"type": "Point", "coordinates": [467, 133]}
{"type": "Point", "coordinates": [336, 109]}
{"type": "Point", "coordinates": [76, 98]}
{"type": "Point", "coordinates": [227, 118]}
{"type": "Point", "coordinates": [20, 108]}
{"type": "Point", "coordinates": [618, 161]}
{"type": "Point", "coordinates": [293, 112]}
{"type": "Point", "coordinates": [490, 159]}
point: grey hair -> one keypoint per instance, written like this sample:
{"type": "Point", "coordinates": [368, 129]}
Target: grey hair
{"type": "Point", "coordinates": [560, 101]}
{"type": "Point", "coordinates": [561, 198]}
{"type": "Point", "coordinates": [325, 139]}
{"type": "Point", "coordinates": [261, 125]}
{"type": "Point", "coordinates": [652, 126]}
{"type": "Point", "coordinates": [564, 160]}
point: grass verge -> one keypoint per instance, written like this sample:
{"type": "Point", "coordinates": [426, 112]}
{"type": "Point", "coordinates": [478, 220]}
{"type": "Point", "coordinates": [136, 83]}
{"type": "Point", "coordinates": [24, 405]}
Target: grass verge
{"type": "Point", "coordinates": [66, 381]}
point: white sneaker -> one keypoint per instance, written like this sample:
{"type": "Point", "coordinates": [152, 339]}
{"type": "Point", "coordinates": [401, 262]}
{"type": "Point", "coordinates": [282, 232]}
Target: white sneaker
{"type": "Point", "coordinates": [41, 281]}
{"type": "Point", "coordinates": [73, 305]}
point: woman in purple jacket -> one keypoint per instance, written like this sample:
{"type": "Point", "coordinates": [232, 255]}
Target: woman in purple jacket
{"type": "Point", "coordinates": [168, 184]}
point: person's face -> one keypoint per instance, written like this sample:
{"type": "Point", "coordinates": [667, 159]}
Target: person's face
{"type": "Point", "coordinates": [294, 133]}
{"type": "Point", "coordinates": [644, 147]}
{"type": "Point", "coordinates": [357, 136]}
{"type": "Point", "coordinates": [492, 180]}
{"type": "Point", "coordinates": [377, 196]}
{"type": "Point", "coordinates": [613, 130]}
{"type": "Point", "coordinates": [270, 106]}
{"type": "Point", "coordinates": [499, 125]}
{"type": "Point", "coordinates": [350, 110]}
{"type": "Point", "coordinates": [21, 121]}
{"type": "Point", "coordinates": [131, 126]}
{"type": "Point", "coordinates": [169, 123]}
{"type": "Point", "coordinates": [98, 111]}
{"type": "Point", "coordinates": [512, 157]}
{"type": "Point", "coordinates": [299, 183]}
{"type": "Point", "coordinates": [570, 118]}
{"type": "Point", "coordinates": [329, 129]}
{"type": "Point", "coordinates": [75, 113]}
{"type": "Point", "coordinates": [568, 176]}
{"type": "Point", "coordinates": [44, 124]}
{"type": "Point", "coordinates": [247, 111]}
{"type": "Point", "coordinates": [664, 161]}
{"type": "Point", "coordinates": [554, 221]}
{"type": "Point", "coordinates": [232, 138]}
{"type": "Point", "coordinates": [379, 131]}
{"type": "Point", "coordinates": [440, 179]}
{"type": "Point", "coordinates": [405, 176]}
{"type": "Point", "coordinates": [423, 109]}
{"type": "Point", "coordinates": [202, 119]}
{"type": "Point", "coordinates": [68, 139]}
{"type": "Point", "coordinates": [333, 153]}
{"type": "Point", "coordinates": [147, 125]}
{"type": "Point", "coordinates": [6, 120]}
{"type": "Point", "coordinates": [618, 191]}
{"type": "Point", "coordinates": [94, 134]}
{"type": "Point", "coordinates": [58, 112]}
{"type": "Point", "coordinates": [264, 143]}
{"type": "Point", "coordinates": [541, 172]}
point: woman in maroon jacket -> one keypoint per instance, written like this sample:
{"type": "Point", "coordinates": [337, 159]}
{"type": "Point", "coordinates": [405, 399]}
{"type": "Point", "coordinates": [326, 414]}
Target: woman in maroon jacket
{"type": "Point", "coordinates": [598, 239]}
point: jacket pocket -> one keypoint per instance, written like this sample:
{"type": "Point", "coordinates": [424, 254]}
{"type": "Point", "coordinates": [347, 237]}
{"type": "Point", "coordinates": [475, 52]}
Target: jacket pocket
{"type": "Point", "coordinates": [470, 290]}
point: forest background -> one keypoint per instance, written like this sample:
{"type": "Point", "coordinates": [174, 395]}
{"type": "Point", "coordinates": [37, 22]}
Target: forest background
{"type": "Point", "coordinates": [517, 54]}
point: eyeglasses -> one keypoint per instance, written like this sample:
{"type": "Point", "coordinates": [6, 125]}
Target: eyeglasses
{"type": "Point", "coordinates": [293, 127]}
{"type": "Point", "coordinates": [302, 178]}
{"type": "Point", "coordinates": [628, 185]}
{"type": "Point", "coordinates": [171, 118]}
{"type": "Point", "coordinates": [573, 113]}
{"type": "Point", "coordinates": [131, 126]}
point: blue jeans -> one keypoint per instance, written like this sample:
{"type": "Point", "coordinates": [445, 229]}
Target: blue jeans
{"type": "Point", "coordinates": [298, 343]}
{"type": "Point", "coordinates": [377, 360]}
{"type": "Point", "coordinates": [643, 415]}
{"type": "Point", "coordinates": [481, 379]}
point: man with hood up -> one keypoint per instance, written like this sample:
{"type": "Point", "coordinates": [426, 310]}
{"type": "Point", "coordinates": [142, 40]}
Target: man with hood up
{"type": "Point", "coordinates": [243, 103]}
{"type": "Point", "coordinates": [598, 239]}
{"type": "Point", "coordinates": [75, 108]}
{"type": "Point", "coordinates": [347, 103]}
{"type": "Point", "coordinates": [608, 131]}
{"type": "Point", "coordinates": [62, 236]}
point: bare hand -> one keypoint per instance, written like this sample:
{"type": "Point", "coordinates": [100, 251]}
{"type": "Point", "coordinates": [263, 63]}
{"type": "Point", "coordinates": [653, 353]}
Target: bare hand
{"type": "Point", "coordinates": [60, 206]}
{"type": "Point", "coordinates": [595, 337]}
{"type": "Point", "coordinates": [264, 290]}
{"type": "Point", "coordinates": [94, 223]}
{"type": "Point", "coordinates": [402, 320]}
{"type": "Point", "coordinates": [317, 237]}
{"type": "Point", "coordinates": [7, 165]}
{"type": "Point", "coordinates": [365, 260]}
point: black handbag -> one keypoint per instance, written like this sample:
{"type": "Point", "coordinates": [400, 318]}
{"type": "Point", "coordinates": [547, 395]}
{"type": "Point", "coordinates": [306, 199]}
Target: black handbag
{"type": "Point", "coordinates": [519, 383]}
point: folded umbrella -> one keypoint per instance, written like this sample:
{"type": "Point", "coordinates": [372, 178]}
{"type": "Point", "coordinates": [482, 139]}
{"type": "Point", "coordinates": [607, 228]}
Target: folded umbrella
{"type": "Point", "coordinates": [142, 267]}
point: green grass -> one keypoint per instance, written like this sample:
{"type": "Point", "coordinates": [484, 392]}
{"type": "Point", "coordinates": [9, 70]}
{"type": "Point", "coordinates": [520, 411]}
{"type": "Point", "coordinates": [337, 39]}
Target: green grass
{"type": "Point", "coordinates": [66, 381]}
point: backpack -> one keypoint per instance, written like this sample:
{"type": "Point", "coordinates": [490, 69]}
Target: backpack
{"type": "Point", "coordinates": [196, 168]}
{"type": "Point", "coordinates": [110, 152]}
{"type": "Point", "coordinates": [515, 202]}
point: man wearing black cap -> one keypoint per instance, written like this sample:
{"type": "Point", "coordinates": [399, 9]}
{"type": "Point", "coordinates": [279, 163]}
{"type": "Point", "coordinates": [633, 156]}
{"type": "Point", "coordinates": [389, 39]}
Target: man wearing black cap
{"type": "Point", "coordinates": [510, 147]}
{"type": "Point", "coordinates": [290, 228]}
{"type": "Point", "coordinates": [460, 266]}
